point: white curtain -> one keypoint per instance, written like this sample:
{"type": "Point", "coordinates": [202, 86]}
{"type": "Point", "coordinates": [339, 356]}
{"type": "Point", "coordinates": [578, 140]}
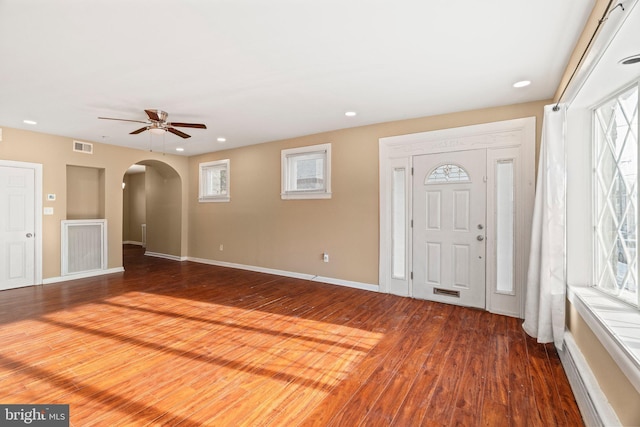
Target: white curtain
{"type": "Point", "coordinates": [546, 284]}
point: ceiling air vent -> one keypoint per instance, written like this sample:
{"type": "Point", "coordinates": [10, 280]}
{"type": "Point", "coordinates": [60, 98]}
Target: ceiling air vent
{"type": "Point", "coordinates": [83, 147]}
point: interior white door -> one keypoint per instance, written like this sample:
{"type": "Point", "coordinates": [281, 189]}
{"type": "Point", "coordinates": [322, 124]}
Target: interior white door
{"type": "Point", "coordinates": [449, 225]}
{"type": "Point", "coordinates": [17, 227]}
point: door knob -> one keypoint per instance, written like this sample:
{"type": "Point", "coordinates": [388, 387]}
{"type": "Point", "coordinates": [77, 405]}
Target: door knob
{"type": "Point", "coordinates": [29, 235]}
{"type": "Point", "coordinates": [480, 237]}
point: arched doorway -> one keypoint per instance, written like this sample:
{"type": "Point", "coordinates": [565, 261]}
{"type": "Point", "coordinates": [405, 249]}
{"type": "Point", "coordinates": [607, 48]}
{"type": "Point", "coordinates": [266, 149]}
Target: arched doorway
{"type": "Point", "coordinates": [152, 210]}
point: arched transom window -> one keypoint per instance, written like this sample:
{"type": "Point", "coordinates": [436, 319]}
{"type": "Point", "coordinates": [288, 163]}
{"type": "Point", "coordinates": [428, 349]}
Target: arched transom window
{"type": "Point", "coordinates": [447, 173]}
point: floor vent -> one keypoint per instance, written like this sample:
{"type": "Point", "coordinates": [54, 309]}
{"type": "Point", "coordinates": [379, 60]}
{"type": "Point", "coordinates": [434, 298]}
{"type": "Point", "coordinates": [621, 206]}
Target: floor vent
{"type": "Point", "coordinates": [83, 147]}
{"type": "Point", "coordinates": [446, 292]}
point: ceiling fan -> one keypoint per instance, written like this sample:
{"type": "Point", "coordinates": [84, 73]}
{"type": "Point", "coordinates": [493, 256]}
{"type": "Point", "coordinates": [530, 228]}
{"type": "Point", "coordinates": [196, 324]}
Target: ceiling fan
{"type": "Point", "coordinates": [158, 124]}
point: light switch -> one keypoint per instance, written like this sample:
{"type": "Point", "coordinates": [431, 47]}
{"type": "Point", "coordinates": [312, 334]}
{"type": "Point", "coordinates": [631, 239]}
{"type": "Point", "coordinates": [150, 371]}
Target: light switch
{"type": "Point", "coordinates": [48, 211]}
{"type": "Point", "coordinates": [51, 197]}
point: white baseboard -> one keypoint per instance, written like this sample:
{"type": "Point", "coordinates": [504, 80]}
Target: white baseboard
{"type": "Point", "coordinates": [166, 256]}
{"type": "Point", "coordinates": [312, 277]}
{"type": "Point", "coordinates": [132, 242]}
{"type": "Point", "coordinates": [592, 402]}
{"type": "Point", "coordinates": [82, 275]}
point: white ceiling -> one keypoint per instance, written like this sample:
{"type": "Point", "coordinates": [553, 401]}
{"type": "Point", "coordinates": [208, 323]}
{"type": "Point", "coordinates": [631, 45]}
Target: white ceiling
{"type": "Point", "coordinates": [256, 71]}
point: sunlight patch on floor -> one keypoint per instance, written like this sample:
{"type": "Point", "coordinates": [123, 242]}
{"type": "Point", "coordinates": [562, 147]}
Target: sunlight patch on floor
{"type": "Point", "coordinates": [157, 357]}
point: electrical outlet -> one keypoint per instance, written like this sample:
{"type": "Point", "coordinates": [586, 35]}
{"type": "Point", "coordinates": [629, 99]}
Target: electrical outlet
{"type": "Point", "coordinates": [325, 257]}
{"type": "Point", "coordinates": [221, 247]}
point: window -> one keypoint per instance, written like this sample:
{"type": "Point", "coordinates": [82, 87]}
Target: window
{"type": "Point", "coordinates": [214, 181]}
{"type": "Point", "coordinates": [306, 172]}
{"type": "Point", "coordinates": [399, 224]}
{"type": "Point", "coordinates": [616, 195]}
{"type": "Point", "coordinates": [505, 239]}
{"type": "Point", "coordinates": [448, 173]}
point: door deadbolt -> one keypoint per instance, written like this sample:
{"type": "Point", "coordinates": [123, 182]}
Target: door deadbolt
{"type": "Point", "coordinates": [29, 235]}
{"type": "Point", "coordinates": [480, 226]}
{"type": "Point", "coordinates": [480, 237]}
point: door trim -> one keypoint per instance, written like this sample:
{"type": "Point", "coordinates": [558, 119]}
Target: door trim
{"type": "Point", "coordinates": [396, 152]}
{"type": "Point", "coordinates": [37, 168]}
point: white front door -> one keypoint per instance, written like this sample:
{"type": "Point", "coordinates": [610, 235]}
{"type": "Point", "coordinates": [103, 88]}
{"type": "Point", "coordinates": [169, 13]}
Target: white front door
{"type": "Point", "coordinates": [17, 227]}
{"type": "Point", "coordinates": [449, 226]}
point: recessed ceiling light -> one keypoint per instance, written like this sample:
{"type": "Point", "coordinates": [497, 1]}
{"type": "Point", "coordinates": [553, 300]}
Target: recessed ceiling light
{"type": "Point", "coordinates": [522, 83]}
{"type": "Point", "coordinates": [350, 113]}
{"type": "Point", "coordinates": [221, 139]}
{"type": "Point", "coordinates": [180, 149]}
{"type": "Point", "coordinates": [30, 122]}
{"type": "Point", "coordinates": [633, 59]}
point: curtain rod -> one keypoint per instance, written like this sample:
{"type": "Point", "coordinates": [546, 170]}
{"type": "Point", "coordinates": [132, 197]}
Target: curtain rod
{"type": "Point", "coordinates": [602, 20]}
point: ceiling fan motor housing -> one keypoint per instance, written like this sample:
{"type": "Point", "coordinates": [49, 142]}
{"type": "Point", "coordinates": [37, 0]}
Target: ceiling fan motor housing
{"type": "Point", "coordinates": [161, 116]}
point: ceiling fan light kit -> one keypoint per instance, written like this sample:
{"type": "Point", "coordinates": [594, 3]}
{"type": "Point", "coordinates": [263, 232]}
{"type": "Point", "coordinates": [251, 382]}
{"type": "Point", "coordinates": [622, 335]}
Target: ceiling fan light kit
{"type": "Point", "coordinates": [157, 124]}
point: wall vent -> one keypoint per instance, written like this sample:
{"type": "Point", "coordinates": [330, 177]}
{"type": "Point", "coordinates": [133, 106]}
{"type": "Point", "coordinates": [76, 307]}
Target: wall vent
{"type": "Point", "coordinates": [83, 147]}
{"type": "Point", "coordinates": [84, 245]}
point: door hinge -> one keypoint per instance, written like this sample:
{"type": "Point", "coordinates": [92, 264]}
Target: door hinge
{"type": "Point", "coordinates": [411, 275]}
{"type": "Point", "coordinates": [411, 223]}
{"type": "Point", "coordinates": [412, 171]}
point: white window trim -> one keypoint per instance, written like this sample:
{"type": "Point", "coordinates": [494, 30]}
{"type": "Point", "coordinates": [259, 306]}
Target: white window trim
{"type": "Point", "coordinates": [219, 198]}
{"type": "Point", "coordinates": [615, 324]}
{"type": "Point", "coordinates": [625, 296]}
{"type": "Point", "coordinates": [286, 193]}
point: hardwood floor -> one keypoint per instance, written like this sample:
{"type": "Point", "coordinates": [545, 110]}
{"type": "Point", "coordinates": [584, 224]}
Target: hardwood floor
{"type": "Point", "coordinates": [170, 343]}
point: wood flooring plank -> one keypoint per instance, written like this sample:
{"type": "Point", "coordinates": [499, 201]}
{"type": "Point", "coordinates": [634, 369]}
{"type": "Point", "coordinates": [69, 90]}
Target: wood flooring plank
{"type": "Point", "coordinates": [471, 393]}
{"type": "Point", "coordinates": [427, 326]}
{"type": "Point", "coordinates": [548, 402]}
{"type": "Point", "coordinates": [416, 405]}
{"type": "Point", "coordinates": [299, 403]}
{"type": "Point", "coordinates": [186, 344]}
{"type": "Point", "coordinates": [362, 401]}
{"type": "Point", "coordinates": [340, 396]}
{"type": "Point", "coordinates": [325, 371]}
{"type": "Point", "coordinates": [522, 400]}
{"type": "Point", "coordinates": [495, 406]}
{"type": "Point", "coordinates": [442, 402]}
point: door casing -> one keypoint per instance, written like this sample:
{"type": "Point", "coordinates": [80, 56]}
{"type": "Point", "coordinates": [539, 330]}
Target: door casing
{"type": "Point", "coordinates": [504, 139]}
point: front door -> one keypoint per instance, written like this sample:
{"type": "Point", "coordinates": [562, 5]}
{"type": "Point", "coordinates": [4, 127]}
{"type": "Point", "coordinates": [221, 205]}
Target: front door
{"type": "Point", "coordinates": [17, 227]}
{"type": "Point", "coordinates": [449, 225]}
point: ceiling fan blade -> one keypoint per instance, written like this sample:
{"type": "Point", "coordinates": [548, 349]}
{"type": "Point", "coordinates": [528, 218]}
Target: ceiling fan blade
{"type": "Point", "coordinates": [177, 132]}
{"type": "Point", "coordinates": [135, 132]}
{"type": "Point", "coordinates": [153, 115]}
{"type": "Point", "coordinates": [122, 120]}
{"type": "Point", "coordinates": [188, 125]}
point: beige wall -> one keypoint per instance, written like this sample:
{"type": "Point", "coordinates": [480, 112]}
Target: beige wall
{"type": "Point", "coordinates": [163, 189]}
{"type": "Point", "coordinates": [55, 153]}
{"type": "Point", "coordinates": [621, 394]}
{"type": "Point", "coordinates": [134, 207]}
{"type": "Point", "coordinates": [85, 193]}
{"type": "Point", "coordinates": [257, 228]}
